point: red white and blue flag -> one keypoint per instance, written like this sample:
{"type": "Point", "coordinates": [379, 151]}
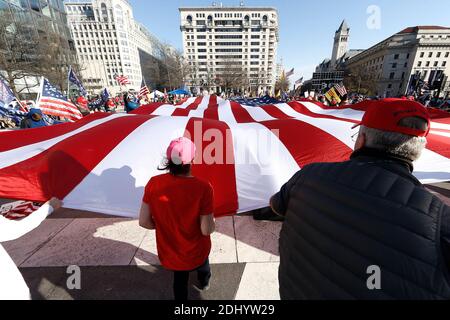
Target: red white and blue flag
{"type": "Point", "coordinates": [52, 102]}
{"type": "Point", "coordinates": [122, 80]}
{"type": "Point", "coordinates": [246, 153]}
{"type": "Point", "coordinates": [290, 73]}
{"type": "Point", "coordinates": [6, 95]}
{"type": "Point", "coordinates": [144, 91]}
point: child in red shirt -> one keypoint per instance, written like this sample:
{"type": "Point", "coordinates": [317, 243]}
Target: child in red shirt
{"type": "Point", "coordinates": [180, 208]}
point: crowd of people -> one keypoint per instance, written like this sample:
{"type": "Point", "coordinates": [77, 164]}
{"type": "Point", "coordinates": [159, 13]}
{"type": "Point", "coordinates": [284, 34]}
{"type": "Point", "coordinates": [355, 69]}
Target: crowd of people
{"type": "Point", "coordinates": [353, 98]}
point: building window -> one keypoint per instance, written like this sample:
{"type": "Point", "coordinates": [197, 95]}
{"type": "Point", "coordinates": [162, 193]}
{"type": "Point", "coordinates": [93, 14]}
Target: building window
{"type": "Point", "coordinates": [430, 55]}
{"type": "Point", "coordinates": [438, 55]}
{"type": "Point", "coordinates": [427, 64]}
{"type": "Point", "coordinates": [419, 64]}
{"type": "Point", "coordinates": [447, 54]}
{"type": "Point", "coordinates": [422, 54]}
{"type": "Point", "coordinates": [444, 63]}
{"type": "Point", "coordinates": [396, 56]}
{"type": "Point", "coordinates": [394, 65]}
{"type": "Point", "coordinates": [392, 75]}
{"type": "Point", "coordinates": [435, 64]}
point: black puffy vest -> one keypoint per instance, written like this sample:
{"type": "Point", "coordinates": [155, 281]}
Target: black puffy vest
{"type": "Point", "coordinates": [343, 218]}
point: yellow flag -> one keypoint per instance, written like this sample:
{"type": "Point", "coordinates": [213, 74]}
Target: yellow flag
{"type": "Point", "coordinates": [331, 94]}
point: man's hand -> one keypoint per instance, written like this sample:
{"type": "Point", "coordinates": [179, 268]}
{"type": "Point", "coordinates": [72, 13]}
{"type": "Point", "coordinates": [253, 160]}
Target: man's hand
{"type": "Point", "coordinates": [55, 203]}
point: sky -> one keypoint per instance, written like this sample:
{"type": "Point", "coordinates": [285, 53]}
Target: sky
{"type": "Point", "coordinates": [307, 27]}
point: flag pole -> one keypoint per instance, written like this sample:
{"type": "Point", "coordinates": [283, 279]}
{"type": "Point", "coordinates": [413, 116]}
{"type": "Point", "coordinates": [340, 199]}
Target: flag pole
{"type": "Point", "coordinates": [68, 83]}
{"type": "Point", "coordinates": [38, 99]}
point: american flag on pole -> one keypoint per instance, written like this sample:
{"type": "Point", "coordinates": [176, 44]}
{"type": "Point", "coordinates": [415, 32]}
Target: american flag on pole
{"type": "Point", "coordinates": [290, 73]}
{"type": "Point", "coordinates": [299, 81]}
{"type": "Point", "coordinates": [122, 80]}
{"type": "Point", "coordinates": [341, 89]}
{"type": "Point", "coordinates": [6, 94]}
{"type": "Point", "coordinates": [246, 153]}
{"type": "Point", "coordinates": [144, 91]}
{"type": "Point", "coordinates": [52, 102]}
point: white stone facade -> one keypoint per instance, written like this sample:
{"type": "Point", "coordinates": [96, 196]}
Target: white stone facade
{"type": "Point", "coordinates": [107, 41]}
{"type": "Point", "coordinates": [422, 50]}
{"type": "Point", "coordinates": [248, 36]}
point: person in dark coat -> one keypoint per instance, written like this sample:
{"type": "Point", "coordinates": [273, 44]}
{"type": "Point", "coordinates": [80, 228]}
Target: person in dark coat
{"type": "Point", "coordinates": [367, 228]}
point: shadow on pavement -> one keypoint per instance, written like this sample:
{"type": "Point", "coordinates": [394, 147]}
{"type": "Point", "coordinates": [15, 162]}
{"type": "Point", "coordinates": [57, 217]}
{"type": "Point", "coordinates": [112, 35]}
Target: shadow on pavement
{"type": "Point", "coordinates": [127, 283]}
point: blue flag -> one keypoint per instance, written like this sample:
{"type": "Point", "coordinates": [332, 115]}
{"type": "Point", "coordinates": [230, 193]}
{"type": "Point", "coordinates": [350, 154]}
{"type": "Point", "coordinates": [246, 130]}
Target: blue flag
{"type": "Point", "coordinates": [105, 95]}
{"type": "Point", "coordinates": [74, 80]}
{"type": "Point", "coordinates": [6, 94]}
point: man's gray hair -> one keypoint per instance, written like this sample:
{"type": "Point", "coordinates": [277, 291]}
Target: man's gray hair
{"type": "Point", "coordinates": [398, 144]}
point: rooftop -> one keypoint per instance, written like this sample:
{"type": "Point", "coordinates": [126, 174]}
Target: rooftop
{"type": "Point", "coordinates": [419, 28]}
{"type": "Point", "coordinates": [224, 8]}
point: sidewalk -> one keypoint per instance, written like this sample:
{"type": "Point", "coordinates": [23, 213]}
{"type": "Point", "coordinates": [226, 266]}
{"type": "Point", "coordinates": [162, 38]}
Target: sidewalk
{"type": "Point", "coordinates": [118, 259]}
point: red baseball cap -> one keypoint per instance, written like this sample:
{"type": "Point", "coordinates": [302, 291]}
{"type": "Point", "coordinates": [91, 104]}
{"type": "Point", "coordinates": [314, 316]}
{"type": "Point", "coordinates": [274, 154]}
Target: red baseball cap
{"type": "Point", "coordinates": [385, 115]}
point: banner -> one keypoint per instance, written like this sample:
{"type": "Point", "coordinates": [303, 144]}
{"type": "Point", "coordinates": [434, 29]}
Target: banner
{"type": "Point", "coordinates": [332, 95]}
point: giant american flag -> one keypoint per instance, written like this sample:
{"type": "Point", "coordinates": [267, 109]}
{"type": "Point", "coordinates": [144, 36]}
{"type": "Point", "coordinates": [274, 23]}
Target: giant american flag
{"type": "Point", "coordinates": [52, 102]}
{"type": "Point", "coordinates": [103, 162]}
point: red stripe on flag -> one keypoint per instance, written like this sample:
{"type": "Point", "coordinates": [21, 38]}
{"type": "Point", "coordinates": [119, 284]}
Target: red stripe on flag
{"type": "Point", "coordinates": [222, 176]}
{"type": "Point", "coordinates": [439, 144]}
{"type": "Point", "coordinates": [305, 151]}
{"type": "Point", "coordinates": [59, 169]}
{"type": "Point", "coordinates": [275, 112]}
{"type": "Point", "coordinates": [180, 112]}
{"type": "Point", "coordinates": [148, 109]}
{"type": "Point", "coordinates": [240, 114]}
{"type": "Point", "coordinates": [15, 139]}
{"type": "Point", "coordinates": [212, 112]}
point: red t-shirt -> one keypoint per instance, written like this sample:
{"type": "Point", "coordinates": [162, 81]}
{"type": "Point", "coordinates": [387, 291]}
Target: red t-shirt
{"type": "Point", "coordinates": [176, 204]}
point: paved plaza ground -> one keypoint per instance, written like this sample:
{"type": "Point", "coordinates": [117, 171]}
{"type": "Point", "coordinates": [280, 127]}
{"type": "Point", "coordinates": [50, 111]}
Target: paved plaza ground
{"type": "Point", "coordinates": [118, 259]}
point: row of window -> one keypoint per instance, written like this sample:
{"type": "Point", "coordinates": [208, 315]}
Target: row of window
{"type": "Point", "coordinates": [203, 44]}
{"type": "Point", "coordinates": [202, 57]}
{"type": "Point", "coordinates": [254, 29]}
{"type": "Point", "coordinates": [94, 50]}
{"type": "Point", "coordinates": [226, 36]}
{"type": "Point", "coordinates": [96, 34]}
{"type": "Point", "coordinates": [435, 64]}
{"type": "Point", "coordinates": [98, 42]}
{"type": "Point", "coordinates": [222, 50]}
{"type": "Point", "coordinates": [236, 62]}
{"type": "Point", "coordinates": [438, 54]}
{"type": "Point", "coordinates": [94, 26]}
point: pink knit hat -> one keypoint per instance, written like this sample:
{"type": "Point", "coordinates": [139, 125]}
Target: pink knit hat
{"type": "Point", "coordinates": [181, 151]}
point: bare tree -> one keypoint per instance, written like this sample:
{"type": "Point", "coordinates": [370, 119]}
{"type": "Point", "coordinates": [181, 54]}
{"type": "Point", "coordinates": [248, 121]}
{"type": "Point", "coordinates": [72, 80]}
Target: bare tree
{"type": "Point", "coordinates": [174, 68]}
{"type": "Point", "coordinates": [357, 79]}
{"type": "Point", "coordinates": [26, 53]}
{"type": "Point", "coordinates": [19, 53]}
{"type": "Point", "coordinates": [231, 76]}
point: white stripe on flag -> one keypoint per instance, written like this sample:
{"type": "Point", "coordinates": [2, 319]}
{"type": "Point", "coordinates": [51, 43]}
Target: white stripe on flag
{"type": "Point", "coordinates": [17, 155]}
{"type": "Point", "coordinates": [132, 162]}
{"type": "Point", "coordinates": [259, 153]}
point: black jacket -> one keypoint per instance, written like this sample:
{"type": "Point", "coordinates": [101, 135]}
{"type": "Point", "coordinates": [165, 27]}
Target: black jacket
{"type": "Point", "coordinates": [342, 218]}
